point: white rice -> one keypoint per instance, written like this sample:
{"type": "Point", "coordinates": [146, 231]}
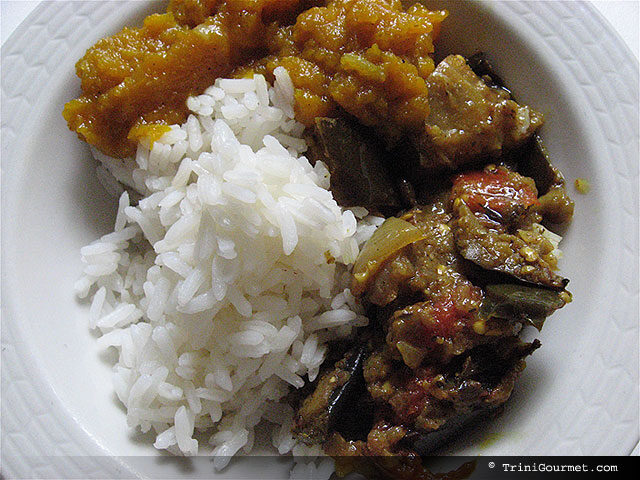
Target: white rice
{"type": "Point", "coordinates": [219, 288]}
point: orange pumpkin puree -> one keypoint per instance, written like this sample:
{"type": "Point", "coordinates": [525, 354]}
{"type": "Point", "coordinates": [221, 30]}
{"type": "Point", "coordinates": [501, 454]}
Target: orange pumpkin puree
{"type": "Point", "coordinates": [369, 58]}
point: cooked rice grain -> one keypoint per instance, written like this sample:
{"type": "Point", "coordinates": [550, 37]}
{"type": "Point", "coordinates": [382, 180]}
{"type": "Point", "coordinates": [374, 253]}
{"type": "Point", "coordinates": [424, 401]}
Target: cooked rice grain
{"type": "Point", "coordinates": [215, 288]}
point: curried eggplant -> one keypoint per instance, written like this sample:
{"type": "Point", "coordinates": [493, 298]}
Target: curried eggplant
{"type": "Point", "coordinates": [469, 120]}
{"type": "Point", "coordinates": [427, 443]}
{"type": "Point", "coordinates": [419, 410]}
{"type": "Point", "coordinates": [531, 159]}
{"type": "Point", "coordinates": [447, 350]}
{"type": "Point", "coordinates": [497, 226]}
{"type": "Point", "coordinates": [391, 237]}
{"type": "Point", "coordinates": [522, 303]}
{"type": "Point", "coordinates": [355, 160]}
{"type": "Point", "coordinates": [478, 390]}
{"type": "Point", "coordinates": [327, 408]}
{"type": "Point", "coordinates": [449, 283]}
{"type": "Point", "coordinates": [506, 253]}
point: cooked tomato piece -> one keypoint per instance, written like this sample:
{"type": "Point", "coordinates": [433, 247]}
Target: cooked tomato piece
{"type": "Point", "coordinates": [495, 189]}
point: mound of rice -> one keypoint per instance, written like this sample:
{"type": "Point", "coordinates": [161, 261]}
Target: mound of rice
{"type": "Point", "coordinates": [222, 286]}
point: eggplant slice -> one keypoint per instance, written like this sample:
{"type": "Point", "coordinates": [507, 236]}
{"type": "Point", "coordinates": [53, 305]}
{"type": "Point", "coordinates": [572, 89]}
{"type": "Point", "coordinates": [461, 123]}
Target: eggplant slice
{"type": "Point", "coordinates": [497, 226]}
{"type": "Point", "coordinates": [329, 407]}
{"type": "Point", "coordinates": [355, 160]}
{"type": "Point", "coordinates": [490, 375]}
{"type": "Point", "coordinates": [468, 120]}
{"type": "Point", "coordinates": [522, 303]}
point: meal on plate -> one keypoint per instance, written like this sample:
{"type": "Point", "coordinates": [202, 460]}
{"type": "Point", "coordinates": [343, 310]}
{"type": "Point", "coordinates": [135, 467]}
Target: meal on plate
{"type": "Point", "coordinates": [322, 226]}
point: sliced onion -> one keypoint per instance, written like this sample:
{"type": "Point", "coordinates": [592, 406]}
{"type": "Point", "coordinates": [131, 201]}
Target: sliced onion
{"type": "Point", "coordinates": [411, 355]}
{"type": "Point", "coordinates": [393, 235]}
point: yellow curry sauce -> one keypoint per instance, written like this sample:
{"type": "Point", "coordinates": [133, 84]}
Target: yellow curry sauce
{"type": "Point", "coordinates": [369, 58]}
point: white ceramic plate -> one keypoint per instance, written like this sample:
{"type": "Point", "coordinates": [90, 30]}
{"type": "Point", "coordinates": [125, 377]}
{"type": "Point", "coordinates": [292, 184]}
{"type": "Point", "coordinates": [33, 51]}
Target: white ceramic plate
{"type": "Point", "coordinates": [579, 394]}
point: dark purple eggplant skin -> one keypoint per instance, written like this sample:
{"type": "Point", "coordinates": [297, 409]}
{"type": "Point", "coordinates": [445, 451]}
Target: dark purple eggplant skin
{"type": "Point", "coordinates": [342, 416]}
{"type": "Point", "coordinates": [491, 370]}
{"type": "Point", "coordinates": [427, 443]}
{"type": "Point", "coordinates": [531, 158]}
{"type": "Point", "coordinates": [527, 304]}
{"type": "Point", "coordinates": [330, 407]}
{"type": "Point", "coordinates": [479, 63]}
{"type": "Point", "coordinates": [340, 399]}
{"type": "Point", "coordinates": [356, 161]}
